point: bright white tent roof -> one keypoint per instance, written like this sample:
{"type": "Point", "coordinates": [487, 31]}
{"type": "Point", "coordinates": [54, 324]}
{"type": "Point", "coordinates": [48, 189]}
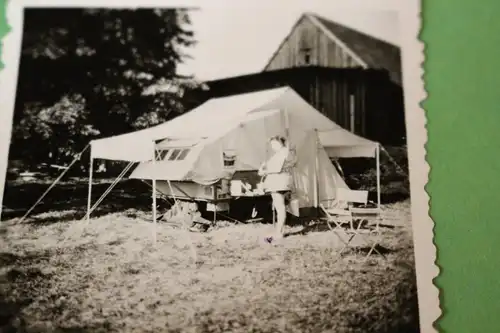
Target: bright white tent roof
{"type": "Point", "coordinates": [216, 116]}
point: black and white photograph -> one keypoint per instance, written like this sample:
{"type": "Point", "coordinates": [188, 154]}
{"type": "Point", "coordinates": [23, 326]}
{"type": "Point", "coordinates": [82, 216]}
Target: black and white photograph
{"type": "Point", "coordinates": [214, 167]}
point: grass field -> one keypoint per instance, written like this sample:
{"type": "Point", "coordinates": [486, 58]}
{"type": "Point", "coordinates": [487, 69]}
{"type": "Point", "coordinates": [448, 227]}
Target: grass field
{"type": "Point", "coordinates": [109, 277]}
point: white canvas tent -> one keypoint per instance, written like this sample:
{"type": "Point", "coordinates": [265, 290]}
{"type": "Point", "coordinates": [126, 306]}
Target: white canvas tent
{"type": "Point", "coordinates": [241, 125]}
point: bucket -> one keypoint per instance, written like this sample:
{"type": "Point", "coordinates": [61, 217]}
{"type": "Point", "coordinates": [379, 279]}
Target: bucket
{"type": "Point", "coordinates": [260, 188]}
{"type": "Point", "coordinates": [218, 207]}
{"type": "Point", "coordinates": [293, 207]}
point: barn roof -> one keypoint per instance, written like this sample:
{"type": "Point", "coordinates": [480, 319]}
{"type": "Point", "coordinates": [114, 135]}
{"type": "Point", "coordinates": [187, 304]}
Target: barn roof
{"type": "Point", "coordinates": [368, 50]}
{"type": "Point", "coordinates": [374, 52]}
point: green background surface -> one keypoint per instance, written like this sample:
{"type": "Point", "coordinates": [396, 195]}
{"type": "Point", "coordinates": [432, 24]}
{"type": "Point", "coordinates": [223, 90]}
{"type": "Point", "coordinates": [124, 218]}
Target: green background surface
{"type": "Point", "coordinates": [463, 110]}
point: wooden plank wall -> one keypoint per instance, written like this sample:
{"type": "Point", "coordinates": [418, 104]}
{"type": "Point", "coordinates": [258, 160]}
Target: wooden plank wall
{"type": "Point", "coordinates": [330, 92]}
{"type": "Point", "coordinates": [323, 52]}
{"type": "Point", "coordinates": [386, 114]}
{"type": "Point", "coordinates": [377, 101]}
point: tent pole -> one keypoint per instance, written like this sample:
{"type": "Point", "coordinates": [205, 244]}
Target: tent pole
{"type": "Point", "coordinates": [89, 197]}
{"type": "Point", "coordinates": [287, 125]}
{"type": "Point", "coordinates": [293, 150]}
{"type": "Point", "coordinates": [316, 173]}
{"type": "Point", "coordinates": [378, 176]}
{"type": "Point", "coordinates": [109, 189]}
{"type": "Point", "coordinates": [154, 190]}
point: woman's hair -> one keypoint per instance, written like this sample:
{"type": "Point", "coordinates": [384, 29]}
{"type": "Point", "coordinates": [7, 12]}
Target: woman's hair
{"type": "Point", "coordinates": [278, 138]}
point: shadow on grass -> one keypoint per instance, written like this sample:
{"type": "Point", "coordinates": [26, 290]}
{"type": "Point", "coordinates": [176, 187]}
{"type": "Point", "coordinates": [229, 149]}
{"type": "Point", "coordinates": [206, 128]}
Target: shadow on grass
{"type": "Point", "coordinates": [9, 312]}
{"type": "Point", "coordinates": [364, 250]}
{"type": "Point", "coordinates": [22, 282]}
{"type": "Point", "coordinates": [70, 200]}
{"type": "Point", "coordinates": [313, 225]}
{"type": "Point", "coordinates": [316, 226]}
{"type": "Point", "coordinates": [15, 295]}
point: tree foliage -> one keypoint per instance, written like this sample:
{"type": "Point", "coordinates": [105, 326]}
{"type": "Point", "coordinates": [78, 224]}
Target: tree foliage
{"type": "Point", "coordinates": [90, 72]}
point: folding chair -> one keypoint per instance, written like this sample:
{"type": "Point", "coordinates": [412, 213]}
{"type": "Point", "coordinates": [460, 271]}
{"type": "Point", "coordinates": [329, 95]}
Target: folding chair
{"type": "Point", "coordinates": [340, 211]}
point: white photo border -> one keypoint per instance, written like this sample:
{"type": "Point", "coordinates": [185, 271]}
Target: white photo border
{"type": "Point", "coordinates": [413, 58]}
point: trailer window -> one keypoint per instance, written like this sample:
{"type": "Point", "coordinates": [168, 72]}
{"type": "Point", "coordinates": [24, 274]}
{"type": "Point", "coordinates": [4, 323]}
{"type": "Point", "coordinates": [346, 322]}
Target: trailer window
{"type": "Point", "coordinates": [175, 153]}
{"type": "Point", "coordinates": [172, 154]}
{"type": "Point", "coordinates": [161, 154]}
{"type": "Point", "coordinates": [183, 154]}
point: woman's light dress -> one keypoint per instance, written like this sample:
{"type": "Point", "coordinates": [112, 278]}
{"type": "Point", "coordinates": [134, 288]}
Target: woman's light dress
{"type": "Point", "coordinates": [279, 172]}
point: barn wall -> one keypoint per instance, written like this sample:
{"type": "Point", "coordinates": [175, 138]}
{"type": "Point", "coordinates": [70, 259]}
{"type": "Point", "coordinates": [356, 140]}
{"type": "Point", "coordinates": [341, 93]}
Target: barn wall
{"type": "Point", "coordinates": [322, 51]}
{"type": "Point", "coordinates": [338, 97]}
{"type": "Point", "coordinates": [386, 115]}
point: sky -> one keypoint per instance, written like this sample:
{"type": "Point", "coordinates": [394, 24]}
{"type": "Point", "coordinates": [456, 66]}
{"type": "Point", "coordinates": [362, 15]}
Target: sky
{"type": "Point", "coordinates": [239, 37]}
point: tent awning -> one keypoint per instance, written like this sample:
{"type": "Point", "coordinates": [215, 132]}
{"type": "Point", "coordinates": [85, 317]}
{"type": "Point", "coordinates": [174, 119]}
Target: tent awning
{"type": "Point", "coordinates": [344, 144]}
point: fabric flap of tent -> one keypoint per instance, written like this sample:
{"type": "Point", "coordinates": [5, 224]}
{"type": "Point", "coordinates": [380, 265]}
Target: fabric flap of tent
{"type": "Point", "coordinates": [344, 144]}
{"type": "Point", "coordinates": [351, 152]}
{"type": "Point", "coordinates": [168, 170]}
{"type": "Point", "coordinates": [135, 146]}
{"type": "Point", "coordinates": [123, 149]}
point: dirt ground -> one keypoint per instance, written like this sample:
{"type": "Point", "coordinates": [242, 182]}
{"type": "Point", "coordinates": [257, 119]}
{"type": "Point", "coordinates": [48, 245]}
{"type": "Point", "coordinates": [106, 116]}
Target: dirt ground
{"type": "Point", "coordinates": [110, 276]}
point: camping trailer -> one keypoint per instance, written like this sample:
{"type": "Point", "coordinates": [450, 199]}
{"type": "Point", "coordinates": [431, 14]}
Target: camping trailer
{"type": "Point", "coordinates": [200, 154]}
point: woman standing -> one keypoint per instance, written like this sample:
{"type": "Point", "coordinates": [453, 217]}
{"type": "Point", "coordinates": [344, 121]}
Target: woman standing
{"type": "Point", "coordinates": [278, 181]}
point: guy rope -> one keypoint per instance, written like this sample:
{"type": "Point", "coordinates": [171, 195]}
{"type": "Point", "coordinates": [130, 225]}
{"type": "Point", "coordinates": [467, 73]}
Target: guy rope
{"type": "Point", "coordinates": [77, 158]}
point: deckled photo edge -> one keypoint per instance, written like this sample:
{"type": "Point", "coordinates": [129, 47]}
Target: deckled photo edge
{"type": "Point", "coordinates": [423, 225]}
{"type": "Point", "coordinates": [11, 45]}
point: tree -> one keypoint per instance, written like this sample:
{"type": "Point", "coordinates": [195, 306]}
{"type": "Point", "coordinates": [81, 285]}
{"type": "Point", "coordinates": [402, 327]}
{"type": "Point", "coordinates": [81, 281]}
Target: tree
{"type": "Point", "coordinates": [88, 72]}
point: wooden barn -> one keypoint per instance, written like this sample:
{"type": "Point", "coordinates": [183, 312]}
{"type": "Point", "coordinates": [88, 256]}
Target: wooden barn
{"type": "Point", "coordinates": [351, 77]}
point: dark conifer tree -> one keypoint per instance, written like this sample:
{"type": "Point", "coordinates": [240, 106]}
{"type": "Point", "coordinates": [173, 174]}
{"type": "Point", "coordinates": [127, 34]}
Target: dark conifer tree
{"type": "Point", "coordinates": [84, 74]}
